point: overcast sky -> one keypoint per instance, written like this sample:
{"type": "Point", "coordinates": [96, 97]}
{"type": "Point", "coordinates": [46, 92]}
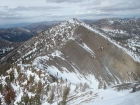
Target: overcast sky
{"type": "Point", "coordinates": [17, 11]}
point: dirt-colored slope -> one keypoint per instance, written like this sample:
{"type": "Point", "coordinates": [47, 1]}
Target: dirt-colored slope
{"type": "Point", "coordinates": [111, 64]}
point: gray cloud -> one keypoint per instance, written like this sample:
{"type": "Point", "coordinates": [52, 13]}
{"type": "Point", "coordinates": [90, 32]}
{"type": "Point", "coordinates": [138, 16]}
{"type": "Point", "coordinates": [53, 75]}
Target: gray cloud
{"type": "Point", "coordinates": [61, 1]}
{"type": "Point", "coordinates": [41, 10]}
{"type": "Point", "coordinates": [20, 14]}
{"type": "Point", "coordinates": [116, 8]}
{"type": "Point", "coordinates": [46, 8]}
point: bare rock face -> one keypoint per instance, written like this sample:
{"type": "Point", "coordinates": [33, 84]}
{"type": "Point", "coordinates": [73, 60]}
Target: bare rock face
{"type": "Point", "coordinates": [93, 54]}
{"type": "Point", "coordinates": [73, 47]}
{"type": "Point", "coordinates": [125, 32]}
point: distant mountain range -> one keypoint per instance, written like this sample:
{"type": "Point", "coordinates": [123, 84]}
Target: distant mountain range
{"type": "Point", "coordinates": [4, 26]}
{"type": "Point", "coordinates": [14, 37]}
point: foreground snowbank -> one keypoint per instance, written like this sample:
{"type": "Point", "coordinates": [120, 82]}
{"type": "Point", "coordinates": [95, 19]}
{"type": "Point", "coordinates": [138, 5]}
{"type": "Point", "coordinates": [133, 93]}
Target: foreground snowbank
{"type": "Point", "coordinates": [129, 99]}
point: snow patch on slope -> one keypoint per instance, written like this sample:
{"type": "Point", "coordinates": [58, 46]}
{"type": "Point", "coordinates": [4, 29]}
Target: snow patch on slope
{"type": "Point", "coordinates": [127, 99]}
{"type": "Point", "coordinates": [73, 77]}
{"type": "Point", "coordinates": [89, 50]}
{"type": "Point", "coordinates": [114, 31]}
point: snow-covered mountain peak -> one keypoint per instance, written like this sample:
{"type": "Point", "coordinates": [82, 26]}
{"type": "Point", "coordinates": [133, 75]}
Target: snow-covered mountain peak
{"type": "Point", "coordinates": [70, 23]}
{"type": "Point", "coordinates": [74, 20]}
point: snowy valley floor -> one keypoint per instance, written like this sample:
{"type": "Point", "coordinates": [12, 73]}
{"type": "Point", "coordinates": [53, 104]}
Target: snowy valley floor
{"type": "Point", "coordinates": [120, 99]}
{"type": "Point", "coordinates": [103, 97]}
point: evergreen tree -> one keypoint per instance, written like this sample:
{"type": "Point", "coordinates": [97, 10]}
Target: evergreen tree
{"type": "Point", "coordinates": [51, 98]}
{"type": "Point", "coordinates": [65, 94]}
